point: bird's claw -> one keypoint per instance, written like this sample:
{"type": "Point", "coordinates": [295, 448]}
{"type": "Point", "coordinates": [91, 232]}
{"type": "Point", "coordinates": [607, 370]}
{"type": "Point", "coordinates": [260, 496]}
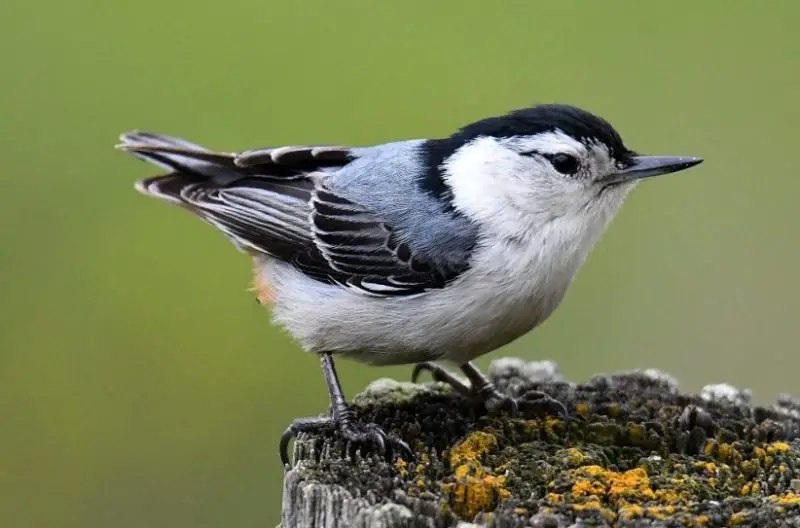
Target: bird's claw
{"type": "Point", "coordinates": [531, 401]}
{"type": "Point", "coordinates": [358, 436]}
{"type": "Point", "coordinates": [492, 399]}
{"type": "Point", "coordinates": [387, 445]}
{"type": "Point", "coordinates": [498, 402]}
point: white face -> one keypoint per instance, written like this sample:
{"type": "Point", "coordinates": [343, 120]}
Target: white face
{"type": "Point", "coordinates": [515, 185]}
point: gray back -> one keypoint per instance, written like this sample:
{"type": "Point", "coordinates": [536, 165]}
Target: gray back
{"type": "Point", "coordinates": [384, 178]}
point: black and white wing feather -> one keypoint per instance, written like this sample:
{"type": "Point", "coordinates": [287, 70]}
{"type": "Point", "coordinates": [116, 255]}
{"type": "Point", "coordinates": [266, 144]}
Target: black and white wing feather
{"type": "Point", "coordinates": [275, 202]}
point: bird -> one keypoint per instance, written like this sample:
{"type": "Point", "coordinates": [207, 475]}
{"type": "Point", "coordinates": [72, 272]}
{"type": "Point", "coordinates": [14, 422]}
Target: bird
{"type": "Point", "coordinates": [416, 251]}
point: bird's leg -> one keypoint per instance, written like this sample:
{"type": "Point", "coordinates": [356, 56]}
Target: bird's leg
{"type": "Point", "coordinates": [439, 373]}
{"type": "Point", "coordinates": [341, 418]}
{"type": "Point", "coordinates": [482, 389]}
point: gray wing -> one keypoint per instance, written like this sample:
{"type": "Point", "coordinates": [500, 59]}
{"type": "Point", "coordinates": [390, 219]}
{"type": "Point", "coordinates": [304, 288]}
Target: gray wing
{"type": "Point", "coordinates": [275, 202]}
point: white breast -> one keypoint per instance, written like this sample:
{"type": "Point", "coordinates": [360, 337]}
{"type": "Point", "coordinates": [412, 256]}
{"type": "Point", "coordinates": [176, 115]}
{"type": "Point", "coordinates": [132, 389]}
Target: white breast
{"type": "Point", "coordinates": [511, 287]}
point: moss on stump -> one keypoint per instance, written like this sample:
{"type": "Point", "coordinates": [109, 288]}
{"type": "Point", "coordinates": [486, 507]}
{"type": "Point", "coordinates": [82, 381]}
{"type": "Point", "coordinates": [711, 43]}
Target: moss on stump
{"type": "Point", "coordinates": [636, 452]}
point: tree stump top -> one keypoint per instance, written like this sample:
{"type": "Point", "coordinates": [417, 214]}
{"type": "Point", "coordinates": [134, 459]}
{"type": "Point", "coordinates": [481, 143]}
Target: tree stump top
{"type": "Point", "coordinates": [636, 452]}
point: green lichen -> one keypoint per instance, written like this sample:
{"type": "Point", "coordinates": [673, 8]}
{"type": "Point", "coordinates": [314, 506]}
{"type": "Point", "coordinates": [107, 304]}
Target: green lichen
{"type": "Point", "coordinates": [385, 391]}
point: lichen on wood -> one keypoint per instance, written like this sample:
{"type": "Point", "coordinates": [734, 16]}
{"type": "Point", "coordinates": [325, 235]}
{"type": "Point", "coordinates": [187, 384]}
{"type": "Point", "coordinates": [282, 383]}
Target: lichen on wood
{"type": "Point", "coordinates": [636, 452]}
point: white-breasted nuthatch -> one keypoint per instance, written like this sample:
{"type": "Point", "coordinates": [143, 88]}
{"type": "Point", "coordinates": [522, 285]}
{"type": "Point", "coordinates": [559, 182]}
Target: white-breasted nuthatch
{"type": "Point", "coordinates": [412, 251]}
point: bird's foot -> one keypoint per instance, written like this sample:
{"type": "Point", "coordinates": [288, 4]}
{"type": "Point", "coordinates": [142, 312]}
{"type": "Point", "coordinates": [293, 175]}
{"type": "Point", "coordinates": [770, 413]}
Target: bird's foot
{"type": "Point", "coordinates": [484, 391]}
{"type": "Point", "coordinates": [532, 401]}
{"type": "Point", "coordinates": [359, 436]}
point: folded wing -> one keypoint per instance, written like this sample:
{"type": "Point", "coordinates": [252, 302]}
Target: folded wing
{"type": "Point", "coordinates": [275, 202]}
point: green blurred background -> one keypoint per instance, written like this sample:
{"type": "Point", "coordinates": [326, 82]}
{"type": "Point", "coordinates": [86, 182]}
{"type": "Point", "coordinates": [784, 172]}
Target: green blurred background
{"type": "Point", "coordinates": [140, 383]}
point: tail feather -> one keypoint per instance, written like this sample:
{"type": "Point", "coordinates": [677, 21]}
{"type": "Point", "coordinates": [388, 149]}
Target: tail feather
{"type": "Point", "coordinates": [177, 154]}
{"type": "Point", "coordinates": [137, 137]}
{"type": "Point", "coordinates": [257, 211]}
{"type": "Point", "coordinates": [187, 162]}
{"type": "Point", "coordinates": [189, 167]}
{"type": "Point", "coordinates": [169, 187]}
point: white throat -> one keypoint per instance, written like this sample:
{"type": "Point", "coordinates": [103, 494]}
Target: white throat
{"type": "Point", "coordinates": [511, 197]}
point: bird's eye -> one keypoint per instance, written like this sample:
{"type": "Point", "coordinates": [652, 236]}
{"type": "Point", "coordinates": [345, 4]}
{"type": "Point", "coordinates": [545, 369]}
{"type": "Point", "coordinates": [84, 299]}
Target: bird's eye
{"type": "Point", "coordinates": [565, 163]}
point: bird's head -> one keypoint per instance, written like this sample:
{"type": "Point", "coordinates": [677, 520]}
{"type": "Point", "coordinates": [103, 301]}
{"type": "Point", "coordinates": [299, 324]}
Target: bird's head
{"type": "Point", "coordinates": [537, 165]}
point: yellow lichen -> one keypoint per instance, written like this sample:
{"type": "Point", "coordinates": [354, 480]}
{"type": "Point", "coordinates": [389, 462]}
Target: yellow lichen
{"type": "Point", "coordinates": [709, 467]}
{"type": "Point", "coordinates": [749, 467]}
{"type": "Point", "coordinates": [475, 491]}
{"type": "Point", "coordinates": [401, 467]}
{"type": "Point", "coordinates": [628, 512]}
{"type": "Point", "coordinates": [472, 448]}
{"type": "Point", "coordinates": [586, 487]}
{"type": "Point", "coordinates": [746, 488]}
{"type": "Point", "coordinates": [629, 495]}
{"type": "Point", "coordinates": [633, 483]}
{"type": "Point", "coordinates": [750, 488]}
{"type": "Point", "coordinates": [476, 484]}
{"type": "Point", "coordinates": [576, 458]}
{"type": "Point", "coordinates": [549, 424]}
{"type": "Point", "coordinates": [729, 454]}
{"type": "Point", "coordinates": [786, 498]}
{"type": "Point", "coordinates": [554, 498]}
{"type": "Point", "coordinates": [778, 447]}
{"type": "Point", "coordinates": [738, 518]}
{"type": "Point", "coordinates": [660, 512]}
{"type": "Point", "coordinates": [622, 496]}
{"type": "Point", "coordinates": [678, 481]}
{"type": "Point", "coordinates": [424, 461]}
{"type": "Point", "coordinates": [462, 471]}
{"type": "Point", "coordinates": [595, 505]}
{"type": "Point", "coordinates": [476, 488]}
{"type": "Point", "coordinates": [669, 496]}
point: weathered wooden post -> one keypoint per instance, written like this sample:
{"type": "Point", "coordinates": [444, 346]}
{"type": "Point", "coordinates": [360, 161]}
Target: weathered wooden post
{"type": "Point", "coordinates": [636, 452]}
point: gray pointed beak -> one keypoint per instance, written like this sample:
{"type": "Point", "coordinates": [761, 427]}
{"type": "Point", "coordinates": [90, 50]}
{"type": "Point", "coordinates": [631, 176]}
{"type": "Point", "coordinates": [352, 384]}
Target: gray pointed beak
{"type": "Point", "coordinates": [649, 166]}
